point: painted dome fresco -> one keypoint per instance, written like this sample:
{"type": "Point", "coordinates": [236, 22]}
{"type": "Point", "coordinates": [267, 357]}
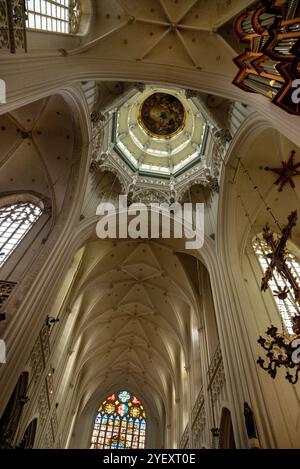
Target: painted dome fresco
{"type": "Point", "coordinates": [162, 115]}
{"type": "Point", "coordinates": [160, 131]}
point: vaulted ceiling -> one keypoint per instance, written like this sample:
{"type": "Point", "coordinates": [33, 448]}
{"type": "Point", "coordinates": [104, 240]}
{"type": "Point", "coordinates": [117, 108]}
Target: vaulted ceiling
{"type": "Point", "coordinates": [136, 307]}
{"type": "Point", "coordinates": [181, 33]}
{"type": "Point", "coordinates": [254, 190]}
{"type": "Point", "coordinates": [36, 150]}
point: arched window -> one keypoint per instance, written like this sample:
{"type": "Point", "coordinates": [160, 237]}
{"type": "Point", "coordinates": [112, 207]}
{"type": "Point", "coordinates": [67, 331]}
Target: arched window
{"type": "Point", "coordinates": [286, 302]}
{"type": "Point", "coordinates": [10, 419]}
{"type": "Point", "coordinates": [120, 423]}
{"type": "Point", "coordinates": [15, 221]}
{"type": "Point", "coordinates": [27, 441]}
{"type": "Point", "coordinates": [59, 16]}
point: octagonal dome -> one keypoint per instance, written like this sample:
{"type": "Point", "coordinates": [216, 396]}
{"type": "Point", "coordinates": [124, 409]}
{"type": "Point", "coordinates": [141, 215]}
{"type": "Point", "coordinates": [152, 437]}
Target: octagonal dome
{"type": "Point", "coordinates": [159, 131]}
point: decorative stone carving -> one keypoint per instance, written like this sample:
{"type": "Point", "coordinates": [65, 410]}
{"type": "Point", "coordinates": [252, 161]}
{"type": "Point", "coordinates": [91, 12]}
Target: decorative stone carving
{"type": "Point", "coordinates": [198, 420]}
{"type": "Point", "coordinates": [223, 136]}
{"type": "Point", "coordinates": [97, 135]}
{"type": "Point", "coordinates": [40, 354]}
{"type": "Point", "coordinates": [12, 26]}
{"type": "Point", "coordinates": [221, 140]}
{"type": "Point", "coordinates": [150, 196]}
{"type": "Point", "coordinates": [4, 27]}
{"type": "Point", "coordinates": [216, 375]}
{"type": "Point", "coordinates": [184, 442]}
{"type": "Point", "coordinates": [213, 184]}
{"type": "Point", "coordinates": [43, 405]}
{"type": "Point", "coordinates": [44, 335]}
{"type": "Point", "coordinates": [36, 361]}
{"type": "Point", "coordinates": [199, 428]}
{"type": "Point", "coordinates": [97, 116]}
{"type": "Point", "coordinates": [48, 438]}
{"type": "Point", "coordinates": [5, 290]}
{"type": "Point", "coordinates": [215, 363]}
{"type": "Point", "coordinates": [198, 405]}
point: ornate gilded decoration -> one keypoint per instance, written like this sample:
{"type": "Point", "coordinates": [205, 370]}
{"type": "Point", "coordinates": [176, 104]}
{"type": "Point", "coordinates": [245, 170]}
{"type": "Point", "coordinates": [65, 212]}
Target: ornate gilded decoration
{"type": "Point", "coordinates": [162, 115]}
{"type": "Point", "coordinates": [286, 174]}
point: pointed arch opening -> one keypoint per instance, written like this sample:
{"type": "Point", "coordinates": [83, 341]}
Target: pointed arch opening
{"type": "Point", "coordinates": [11, 417]}
{"type": "Point", "coordinates": [279, 286]}
{"type": "Point", "coordinates": [27, 442]}
{"type": "Point", "coordinates": [16, 220]}
{"type": "Point", "coordinates": [226, 440]}
{"type": "Point", "coordinates": [120, 423]}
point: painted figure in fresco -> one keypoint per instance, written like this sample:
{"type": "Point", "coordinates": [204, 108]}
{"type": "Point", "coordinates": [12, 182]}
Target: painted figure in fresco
{"type": "Point", "coordinates": [162, 114]}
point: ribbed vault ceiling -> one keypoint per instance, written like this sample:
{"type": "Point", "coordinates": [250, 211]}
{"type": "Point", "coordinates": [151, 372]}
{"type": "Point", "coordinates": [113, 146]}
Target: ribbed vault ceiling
{"type": "Point", "coordinates": [173, 32]}
{"type": "Point", "coordinates": [135, 304]}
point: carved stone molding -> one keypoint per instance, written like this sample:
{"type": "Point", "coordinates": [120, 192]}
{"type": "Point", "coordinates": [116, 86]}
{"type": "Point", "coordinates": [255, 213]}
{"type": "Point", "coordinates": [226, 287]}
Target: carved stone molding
{"type": "Point", "coordinates": [216, 375]}
{"type": "Point", "coordinates": [198, 405]}
{"type": "Point", "coordinates": [184, 442]}
{"type": "Point", "coordinates": [150, 196]}
{"type": "Point", "coordinates": [36, 361]}
{"type": "Point", "coordinates": [5, 290]}
{"type": "Point", "coordinates": [48, 439]}
{"type": "Point", "coordinates": [12, 26]}
{"type": "Point", "coordinates": [199, 428]}
{"type": "Point", "coordinates": [43, 405]}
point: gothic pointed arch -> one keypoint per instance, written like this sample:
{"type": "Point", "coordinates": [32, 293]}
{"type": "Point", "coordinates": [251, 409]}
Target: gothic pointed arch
{"type": "Point", "coordinates": [227, 440]}
{"type": "Point", "coordinates": [120, 423]}
{"type": "Point", "coordinates": [27, 442]}
{"type": "Point", "coordinates": [18, 215]}
{"type": "Point", "coordinates": [10, 419]}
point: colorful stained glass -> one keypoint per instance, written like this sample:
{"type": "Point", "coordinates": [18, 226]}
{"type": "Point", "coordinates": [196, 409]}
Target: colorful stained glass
{"type": "Point", "coordinates": [135, 401]}
{"type": "Point", "coordinates": [124, 396]}
{"type": "Point", "coordinates": [120, 423]}
{"type": "Point", "coordinates": [135, 411]}
{"type": "Point", "coordinates": [109, 408]}
{"type": "Point", "coordinates": [122, 409]}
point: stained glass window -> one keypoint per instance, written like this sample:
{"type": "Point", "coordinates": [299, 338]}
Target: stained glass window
{"type": "Point", "coordinates": [15, 222]}
{"type": "Point", "coordinates": [120, 423]}
{"type": "Point", "coordinates": [59, 16]}
{"type": "Point", "coordinates": [286, 303]}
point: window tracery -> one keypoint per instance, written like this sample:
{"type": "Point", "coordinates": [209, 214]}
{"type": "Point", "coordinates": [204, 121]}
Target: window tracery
{"type": "Point", "coordinates": [120, 423]}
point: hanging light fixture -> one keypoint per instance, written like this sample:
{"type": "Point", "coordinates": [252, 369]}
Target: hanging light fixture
{"type": "Point", "coordinates": [282, 350]}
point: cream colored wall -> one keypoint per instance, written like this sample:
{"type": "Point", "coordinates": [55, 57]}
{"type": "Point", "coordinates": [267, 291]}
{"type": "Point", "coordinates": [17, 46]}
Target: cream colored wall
{"type": "Point", "coordinates": [275, 403]}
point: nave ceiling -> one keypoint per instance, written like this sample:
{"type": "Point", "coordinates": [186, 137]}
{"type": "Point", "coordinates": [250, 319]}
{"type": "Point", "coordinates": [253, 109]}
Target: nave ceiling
{"type": "Point", "coordinates": [136, 307]}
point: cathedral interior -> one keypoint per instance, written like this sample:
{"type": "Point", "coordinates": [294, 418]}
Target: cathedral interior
{"type": "Point", "coordinates": [138, 342]}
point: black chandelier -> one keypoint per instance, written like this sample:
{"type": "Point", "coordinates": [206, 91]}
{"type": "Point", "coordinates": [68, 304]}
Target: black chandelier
{"type": "Point", "coordinates": [282, 350]}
